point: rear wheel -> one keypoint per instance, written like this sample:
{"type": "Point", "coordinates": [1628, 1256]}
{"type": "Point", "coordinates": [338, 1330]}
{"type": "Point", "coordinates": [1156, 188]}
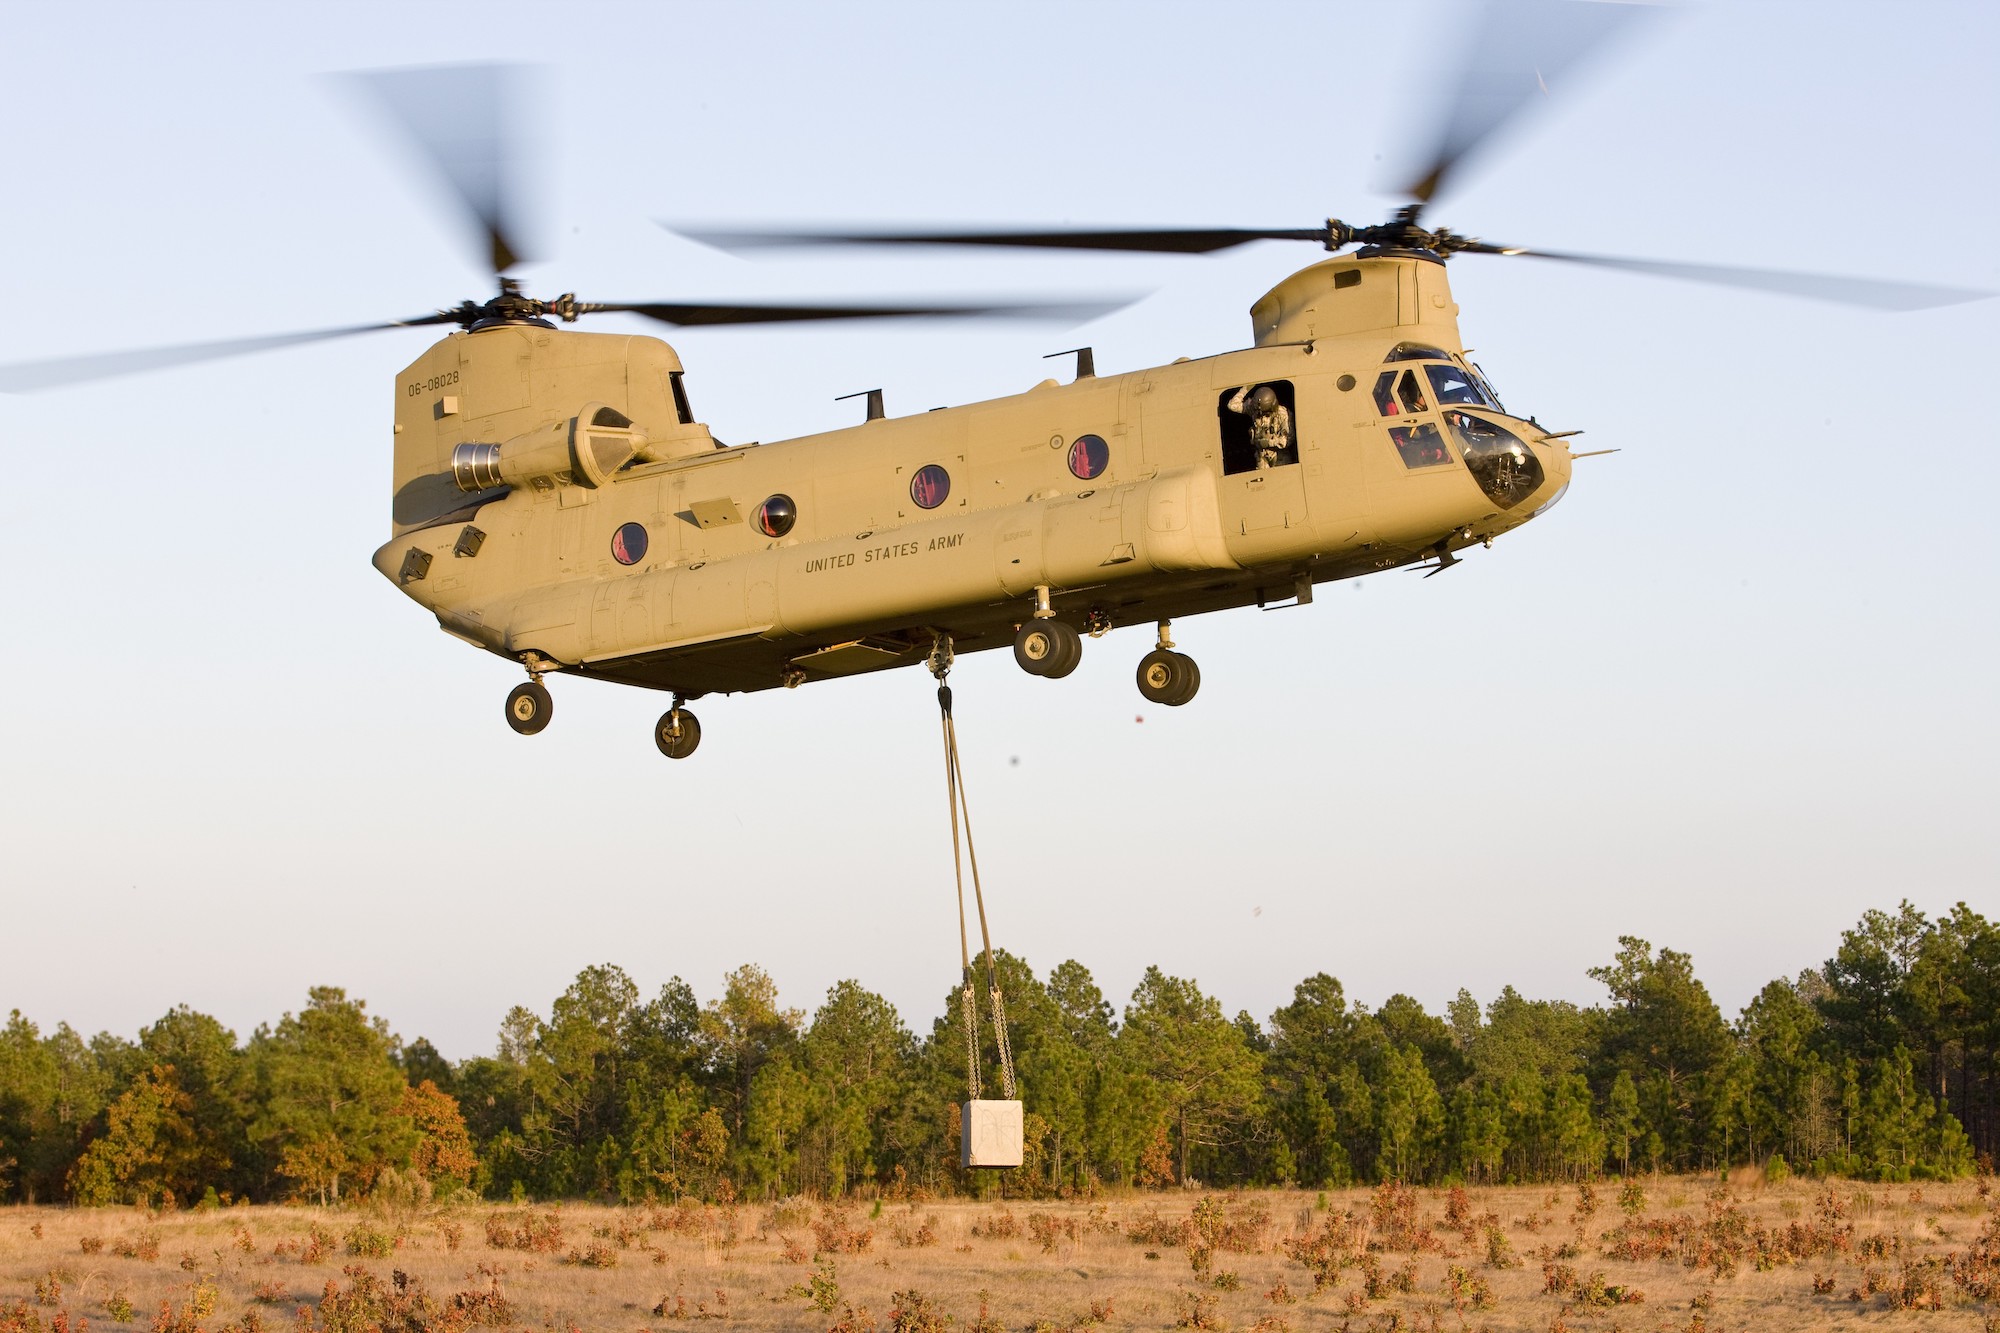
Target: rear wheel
{"type": "Point", "coordinates": [529, 708]}
{"type": "Point", "coordinates": [677, 733]}
{"type": "Point", "coordinates": [1167, 677]}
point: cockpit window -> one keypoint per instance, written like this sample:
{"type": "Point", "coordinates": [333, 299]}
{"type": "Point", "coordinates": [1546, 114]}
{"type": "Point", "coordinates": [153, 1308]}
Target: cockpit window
{"type": "Point", "coordinates": [1410, 393]}
{"type": "Point", "coordinates": [1452, 385]}
{"type": "Point", "coordinates": [1419, 445]}
{"type": "Point", "coordinates": [1505, 467]}
{"type": "Point", "coordinates": [1385, 393]}
{"type": "Point", "coordinates": [1417, 352]}
{"type": "Point", "coordinates": [1485, 385]}
{"type": "Point", "coordinates": [1399, 395]}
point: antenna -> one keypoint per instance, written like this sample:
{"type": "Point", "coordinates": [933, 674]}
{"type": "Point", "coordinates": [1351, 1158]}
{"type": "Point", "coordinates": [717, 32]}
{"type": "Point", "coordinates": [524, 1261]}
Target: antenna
{"type": "Point", "coordinates": [875, 412]}
{"type": "Point", "coordinates": [1086, 364]}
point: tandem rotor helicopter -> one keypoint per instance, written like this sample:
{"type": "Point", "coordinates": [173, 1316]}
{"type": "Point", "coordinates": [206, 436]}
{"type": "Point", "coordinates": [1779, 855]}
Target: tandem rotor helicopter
{"type": "Point", "coordinates": [558, 501]}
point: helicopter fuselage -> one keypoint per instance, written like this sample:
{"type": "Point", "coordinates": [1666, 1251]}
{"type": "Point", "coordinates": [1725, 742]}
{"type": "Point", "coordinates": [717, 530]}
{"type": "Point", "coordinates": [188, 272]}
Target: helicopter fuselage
{"type": "Point", "coordinates": [557, 503]}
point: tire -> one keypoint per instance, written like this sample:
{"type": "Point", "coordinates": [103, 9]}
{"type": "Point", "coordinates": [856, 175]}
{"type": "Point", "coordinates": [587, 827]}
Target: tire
{"type": "Point", "coordinates": [529, 708]}
{"type": "Point", "coordinates": [1038, 647]}
{"type": "Point", "coordinates": [677, 742]}
{"type": "Point", "coordinates": [1168, 678]}
{"type": "Point", "coordinates": [1069, 650]}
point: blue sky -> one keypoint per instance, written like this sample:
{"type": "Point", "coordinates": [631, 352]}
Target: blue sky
{"type": "Point", "coordinates": [1736, 689]}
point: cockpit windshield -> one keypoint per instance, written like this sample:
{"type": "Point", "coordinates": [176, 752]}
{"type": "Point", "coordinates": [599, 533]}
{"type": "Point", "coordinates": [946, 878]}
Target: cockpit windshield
{"type": "Point", "coordinates": [1453, 385]}
{"type": "Point", "coordinates": [1503, 465]}
{"type": "Point", "coordinates": [1417, 352]}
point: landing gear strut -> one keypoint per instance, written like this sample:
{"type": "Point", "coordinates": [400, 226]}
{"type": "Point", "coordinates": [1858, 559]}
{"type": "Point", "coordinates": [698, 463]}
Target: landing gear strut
{"type": "Point", "coordinates": [529, 707]}
{"type": "Point", "coordinates": [1165, 676]}
{"type": "Point", "coordinates": [677, 732]}
{"type": "Point", "coordinates": [1046, 646]}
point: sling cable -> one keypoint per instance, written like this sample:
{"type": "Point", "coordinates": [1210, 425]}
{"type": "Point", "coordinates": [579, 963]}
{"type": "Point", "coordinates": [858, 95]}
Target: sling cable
{"type": "Point", "coordinates": [989, 1129]}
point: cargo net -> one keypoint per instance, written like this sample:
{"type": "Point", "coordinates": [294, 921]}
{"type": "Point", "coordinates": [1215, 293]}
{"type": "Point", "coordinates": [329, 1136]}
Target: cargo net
{"type": "Point", "coordinates": [962, 856]}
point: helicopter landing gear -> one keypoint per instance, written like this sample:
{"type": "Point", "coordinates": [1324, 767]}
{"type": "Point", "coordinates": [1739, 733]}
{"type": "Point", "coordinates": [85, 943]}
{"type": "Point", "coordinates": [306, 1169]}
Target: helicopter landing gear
{"type": "Point", "coordinates": [1165, 676]}
{"type": "Point", "coordinates": [677, 732]}
{"type": "Point", "coordinates": [529, 708]}
{"type": "Point", "coordinates": [1048, 648]}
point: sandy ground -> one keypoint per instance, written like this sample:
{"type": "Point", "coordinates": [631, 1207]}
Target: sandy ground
{"type": "Point", "coordinates": [1692, 1255]}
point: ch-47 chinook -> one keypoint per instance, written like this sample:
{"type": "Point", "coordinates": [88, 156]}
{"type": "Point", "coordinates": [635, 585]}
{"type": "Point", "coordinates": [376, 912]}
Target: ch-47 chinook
{"type": "Point", "coordinates": [557, 500]}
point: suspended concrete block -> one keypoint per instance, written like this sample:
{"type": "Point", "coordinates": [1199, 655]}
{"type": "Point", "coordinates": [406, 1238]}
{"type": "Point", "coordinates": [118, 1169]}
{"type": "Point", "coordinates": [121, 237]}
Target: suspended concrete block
{"type": "Point", "coordinates": [990, 1134]}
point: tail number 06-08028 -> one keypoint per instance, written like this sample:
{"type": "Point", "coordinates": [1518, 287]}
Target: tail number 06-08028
{"type": "Point", "coordinates": [431, 385]}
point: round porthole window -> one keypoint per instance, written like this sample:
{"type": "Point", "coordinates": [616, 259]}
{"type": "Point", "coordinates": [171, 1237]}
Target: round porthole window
{"type": "Point", "coordinates": [776, 516]}
{"type": "Point", "coordinates": [930, 486]}
{"type": "Point", "coordinates": [1089, 455]}
{"type": "Point", "coordinates": [628, 544]}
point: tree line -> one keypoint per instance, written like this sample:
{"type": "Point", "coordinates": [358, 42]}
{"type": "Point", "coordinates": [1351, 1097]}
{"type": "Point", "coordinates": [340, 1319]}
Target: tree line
{"type": "Point", "coordinates": [1880, 1063]}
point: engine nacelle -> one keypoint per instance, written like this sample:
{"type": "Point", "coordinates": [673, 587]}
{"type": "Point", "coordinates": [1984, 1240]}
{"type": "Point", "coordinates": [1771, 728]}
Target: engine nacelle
{"type": "Point", "coordinates": [585, 450]}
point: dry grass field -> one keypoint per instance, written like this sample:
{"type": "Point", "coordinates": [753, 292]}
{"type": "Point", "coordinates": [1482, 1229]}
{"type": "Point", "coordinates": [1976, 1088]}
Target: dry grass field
{"type": "Point", "coordinates": [1690, 1255]}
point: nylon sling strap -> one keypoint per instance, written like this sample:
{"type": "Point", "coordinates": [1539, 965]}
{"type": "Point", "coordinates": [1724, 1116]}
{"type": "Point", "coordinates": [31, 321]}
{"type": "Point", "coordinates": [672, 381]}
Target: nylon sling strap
{"type": "Point", "coordinates": [961, 813]}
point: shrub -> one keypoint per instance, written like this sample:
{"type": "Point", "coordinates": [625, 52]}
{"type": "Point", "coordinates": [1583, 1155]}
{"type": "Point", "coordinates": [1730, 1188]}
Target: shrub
{"type": "Point", "coordinates": [366, 1242]}
{"type": "Point", "coordinates": [593, 1256]}
{"type": "Point", "coordinates": [821, 1290]}
{"type": "Point", "coordinates": [538, 1233]}
{"type": "Point", "coordinates": [913, 1313]}
{"type": "Point", "coordinates": [835, 1234]}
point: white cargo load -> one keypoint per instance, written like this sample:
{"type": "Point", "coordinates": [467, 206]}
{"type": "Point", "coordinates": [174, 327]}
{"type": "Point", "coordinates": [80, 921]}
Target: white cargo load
{"type": "Point", "coordinates": [990, 1134]}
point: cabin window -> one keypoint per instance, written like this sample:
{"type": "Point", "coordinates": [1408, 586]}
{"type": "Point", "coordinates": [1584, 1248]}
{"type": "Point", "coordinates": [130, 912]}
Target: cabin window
{"type": "Point", "coordinates": [1419, 446]}
{"type": "Point", "coordinates": [1259, 426]}
{"type": "Point", "coordinates": [628, 544]}
{"type": "Point", "coordinates": [776, 516]}
{"type": "Point", "coordinates": [1089, 455]}
{"type": "Point", "coordinates": [930, 486]}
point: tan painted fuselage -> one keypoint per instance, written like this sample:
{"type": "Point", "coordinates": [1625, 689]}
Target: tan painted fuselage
{"type": "Point", "coordinates": [1176, 523]}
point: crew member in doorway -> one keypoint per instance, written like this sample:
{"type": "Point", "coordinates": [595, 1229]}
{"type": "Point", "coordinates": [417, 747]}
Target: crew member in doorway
{"type": "Point", "coordinates": [1270, 424]}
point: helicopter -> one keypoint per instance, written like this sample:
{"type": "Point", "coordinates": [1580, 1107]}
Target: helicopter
{"type": "Point", "coordinates": [556, 499]}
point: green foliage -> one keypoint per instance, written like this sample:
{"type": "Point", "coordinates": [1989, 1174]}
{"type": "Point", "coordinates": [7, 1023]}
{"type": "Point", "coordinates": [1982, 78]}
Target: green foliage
{"type": "Point", "coordinates": [329, 1090]}
{"type": "Point", "coordinates": [149, 1153]}
{"type": "Point", "coordinates": [1882, 1062]}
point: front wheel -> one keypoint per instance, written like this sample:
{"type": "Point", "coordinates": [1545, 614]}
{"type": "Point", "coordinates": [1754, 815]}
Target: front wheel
{"type": "Point", "coordinates": [677, 733]}
{"type": "Point", "coordinates": [1048, 648]}
{"type": "Point", "coordinates": [529, 708]}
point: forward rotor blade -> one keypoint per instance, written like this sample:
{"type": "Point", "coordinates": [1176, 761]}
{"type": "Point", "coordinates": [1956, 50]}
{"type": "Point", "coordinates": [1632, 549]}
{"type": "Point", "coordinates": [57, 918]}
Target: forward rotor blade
{"type": "Point", "coordinates": [1872, 293]}
{"type": "Point", "coordinates": [1149, 240]}
{"type": "Point", "coordinates": [460, 120]}
{"type": "Point", "coordinates": [1521, 50]}
{"type": "Point", "coordinates": [687, 315]}
{"type": "Point", "coordinates": [28, 376]}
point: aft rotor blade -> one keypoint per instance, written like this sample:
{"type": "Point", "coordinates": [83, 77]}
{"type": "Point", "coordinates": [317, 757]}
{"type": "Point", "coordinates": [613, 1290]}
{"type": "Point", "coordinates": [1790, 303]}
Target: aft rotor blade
{"type": "Point", "coordinates": [1872, 293]}
{"type": "Point", "coordinates": [28, 376]}
{"type": "Point", "coordinates": [684, 314]}
{"type": "Point", "coordinates": [1520, 52]}
{"type": "Point", "coordinates": [1149, 240]}
{"type": "Point", "coordinates": [460, 119]}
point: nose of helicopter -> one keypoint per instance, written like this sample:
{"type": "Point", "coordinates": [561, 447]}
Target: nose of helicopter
{"type": "Point", "coordinates": [1556, 460]}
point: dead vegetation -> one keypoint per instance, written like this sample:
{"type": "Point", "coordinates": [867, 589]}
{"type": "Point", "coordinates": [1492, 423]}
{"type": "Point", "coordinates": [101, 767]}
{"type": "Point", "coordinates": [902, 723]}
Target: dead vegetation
{"type": "Point", "coordinates": [1681, 1254]}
